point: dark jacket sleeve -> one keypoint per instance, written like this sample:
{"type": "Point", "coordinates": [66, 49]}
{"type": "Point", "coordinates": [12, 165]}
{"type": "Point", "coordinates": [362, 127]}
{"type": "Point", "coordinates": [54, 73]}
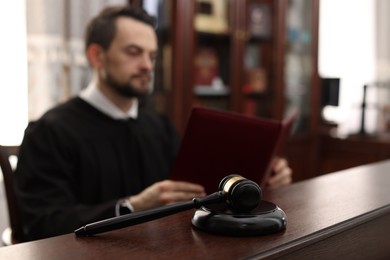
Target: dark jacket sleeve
{"type": "Point", "coordinates": [46, 186]}
{"type": "Point", "coordinates": [173, 137]}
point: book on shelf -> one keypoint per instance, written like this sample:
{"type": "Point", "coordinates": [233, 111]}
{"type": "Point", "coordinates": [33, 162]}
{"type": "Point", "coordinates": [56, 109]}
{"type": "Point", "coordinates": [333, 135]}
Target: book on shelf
{"type": "Point", "coordinates": [256, 81]}
{"type": "Point", "coordinates": [259, 21]}
{"type": "Point", "coordinates": [207, 80]}
{"type": "Point", "coordinates": [211, 16]}
{"type": "Point", "coordinates": [206, 66]}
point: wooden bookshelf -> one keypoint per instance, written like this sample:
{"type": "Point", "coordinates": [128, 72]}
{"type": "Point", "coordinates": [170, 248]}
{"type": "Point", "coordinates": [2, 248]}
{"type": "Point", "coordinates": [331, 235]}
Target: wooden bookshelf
{"type": "Point", "coordinates": [247, 36]}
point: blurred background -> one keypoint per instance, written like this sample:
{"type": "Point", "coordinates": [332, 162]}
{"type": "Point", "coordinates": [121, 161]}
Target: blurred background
{"type": "Point", "coordinates": [329, 59]}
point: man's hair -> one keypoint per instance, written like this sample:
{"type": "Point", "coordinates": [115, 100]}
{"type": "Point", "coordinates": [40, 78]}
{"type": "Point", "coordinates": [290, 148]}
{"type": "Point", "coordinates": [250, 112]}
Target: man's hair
{"type": "Point", "coordinates": [101, 29]}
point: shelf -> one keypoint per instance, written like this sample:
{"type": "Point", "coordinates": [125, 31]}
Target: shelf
{"type": "Point", "coordinates": [211, 91]}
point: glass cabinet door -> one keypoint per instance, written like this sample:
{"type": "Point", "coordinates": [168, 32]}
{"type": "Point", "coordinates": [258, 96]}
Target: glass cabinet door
{"type": "Point", "coordinates": [253, 57]}
{"type": "Point", "coordinates": [298, 65]}
{"type": "Point", "coordinates": [162, 81]}
{"type": "Point", "coordinates": [211, 63]}
{"type": "Point", "coordinates": [258, 78]}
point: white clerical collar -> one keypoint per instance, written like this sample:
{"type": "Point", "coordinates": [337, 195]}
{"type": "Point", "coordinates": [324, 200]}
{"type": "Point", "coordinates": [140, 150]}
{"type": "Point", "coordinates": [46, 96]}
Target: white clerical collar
{"type": "Point", "coordinates": [94, 97]}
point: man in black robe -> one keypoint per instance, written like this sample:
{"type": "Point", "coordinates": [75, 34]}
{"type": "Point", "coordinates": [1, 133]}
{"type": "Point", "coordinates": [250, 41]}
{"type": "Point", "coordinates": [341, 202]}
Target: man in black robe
{"type": "Point", "coordinates": [102, 154]}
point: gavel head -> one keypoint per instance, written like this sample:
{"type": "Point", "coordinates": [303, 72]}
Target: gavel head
{"type": "Point", "coordinates": [242, 194]}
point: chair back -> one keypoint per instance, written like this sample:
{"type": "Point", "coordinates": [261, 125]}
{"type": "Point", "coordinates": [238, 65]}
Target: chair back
{"type": "Point", "coordinates": [8, 177]}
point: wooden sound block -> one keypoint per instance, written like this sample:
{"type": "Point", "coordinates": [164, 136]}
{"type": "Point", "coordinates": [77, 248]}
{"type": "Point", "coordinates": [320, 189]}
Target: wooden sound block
{"type": "Point", "coordinates": [266, 218]}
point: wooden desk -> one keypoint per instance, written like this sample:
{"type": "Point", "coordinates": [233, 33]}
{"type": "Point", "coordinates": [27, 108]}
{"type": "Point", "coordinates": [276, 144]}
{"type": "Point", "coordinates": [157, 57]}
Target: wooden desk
{"type": "Point", "coordinates": [343, 215]}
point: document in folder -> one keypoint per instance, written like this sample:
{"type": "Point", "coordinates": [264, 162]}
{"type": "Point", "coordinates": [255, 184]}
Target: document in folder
{"type": "Point", "coordinates": [218, 143]}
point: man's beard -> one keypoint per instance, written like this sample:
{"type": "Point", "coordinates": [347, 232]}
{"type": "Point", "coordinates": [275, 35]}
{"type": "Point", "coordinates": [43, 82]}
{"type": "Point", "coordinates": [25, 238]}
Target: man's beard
{"type": "Point", "coordinates": [125, 89]}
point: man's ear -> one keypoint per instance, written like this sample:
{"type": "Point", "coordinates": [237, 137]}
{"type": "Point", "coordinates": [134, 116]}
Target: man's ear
{"type": "Point", "coordinates": [95, 54]}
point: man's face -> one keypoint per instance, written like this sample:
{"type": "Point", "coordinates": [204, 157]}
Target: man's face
{"type": "Point", "coordinates": [129, 61]}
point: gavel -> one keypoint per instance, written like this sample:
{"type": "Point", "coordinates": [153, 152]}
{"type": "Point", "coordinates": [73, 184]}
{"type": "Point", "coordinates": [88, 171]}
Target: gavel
{"type": "Point", "coordinates": [240, 194]}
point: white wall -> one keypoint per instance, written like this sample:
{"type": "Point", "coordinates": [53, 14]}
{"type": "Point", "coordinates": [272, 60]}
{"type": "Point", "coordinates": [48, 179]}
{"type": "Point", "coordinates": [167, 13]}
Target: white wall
{"type": "Point", "coordinates": [347, 51]}
{"type": "Point", "coordinates": [13, 71]}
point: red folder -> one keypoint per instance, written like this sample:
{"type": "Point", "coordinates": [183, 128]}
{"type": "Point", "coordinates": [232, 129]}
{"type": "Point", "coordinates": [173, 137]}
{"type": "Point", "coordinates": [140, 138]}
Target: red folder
{"type": "Point", "coordinates": [218, 143]}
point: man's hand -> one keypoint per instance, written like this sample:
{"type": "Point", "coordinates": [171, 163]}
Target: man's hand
{"type": "Point", "coordinates": [165, 192]}
{"type": "Point", "coordinates": [281, 174]}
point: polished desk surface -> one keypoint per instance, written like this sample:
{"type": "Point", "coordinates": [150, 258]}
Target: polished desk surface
{"type": "Point", "coordinates": [336, 208]}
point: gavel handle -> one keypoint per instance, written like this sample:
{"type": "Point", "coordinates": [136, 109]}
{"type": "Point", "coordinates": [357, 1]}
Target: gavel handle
{"type": "Point", "coordinates": [147, 215]}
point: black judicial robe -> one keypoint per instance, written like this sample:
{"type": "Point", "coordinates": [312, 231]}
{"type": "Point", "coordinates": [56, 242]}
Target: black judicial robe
{"type": "Point", "coordinates": [76, 162]}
